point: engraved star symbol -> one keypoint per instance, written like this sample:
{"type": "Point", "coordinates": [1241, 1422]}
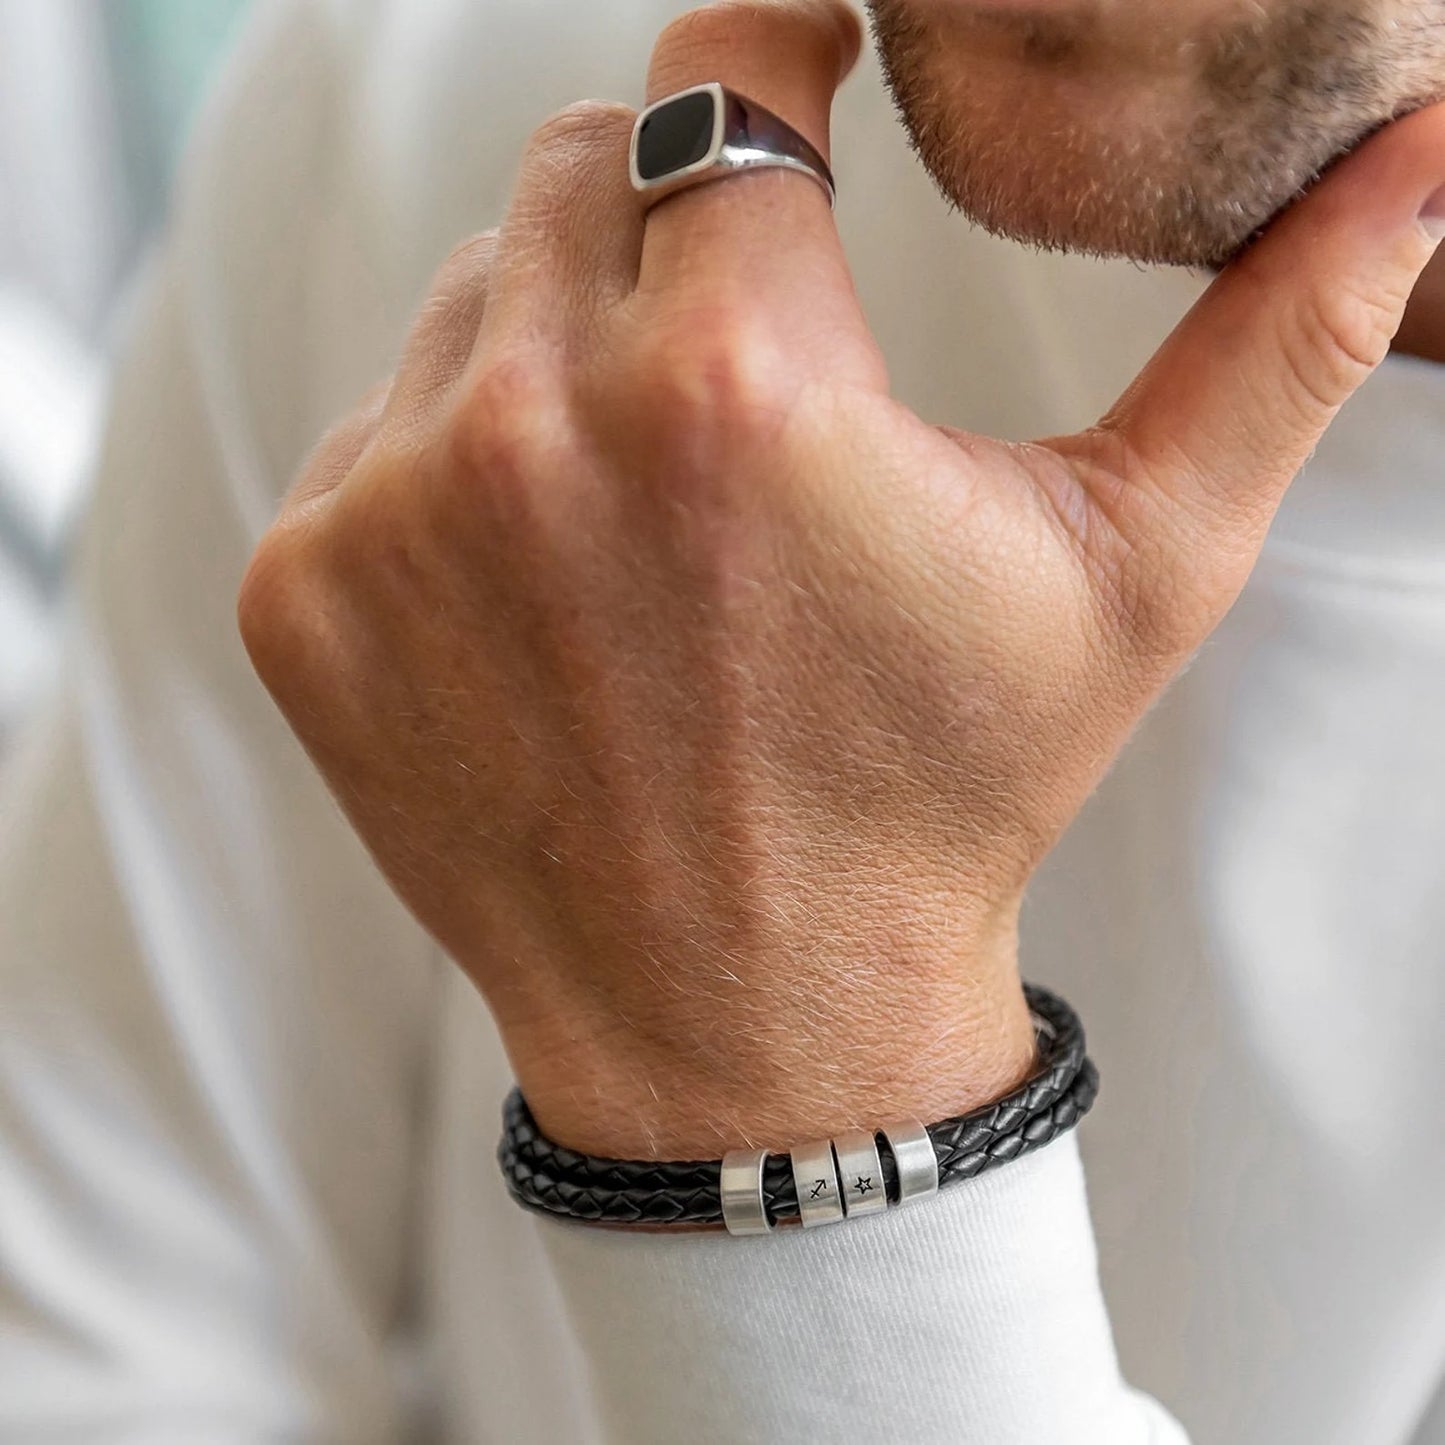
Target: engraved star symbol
{"type": "Point", "coordinates": [864, 1184]}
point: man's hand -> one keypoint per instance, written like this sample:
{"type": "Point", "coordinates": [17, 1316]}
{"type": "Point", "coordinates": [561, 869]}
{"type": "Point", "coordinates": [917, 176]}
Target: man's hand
{"type": "Point", "coordinates": [708, 706]}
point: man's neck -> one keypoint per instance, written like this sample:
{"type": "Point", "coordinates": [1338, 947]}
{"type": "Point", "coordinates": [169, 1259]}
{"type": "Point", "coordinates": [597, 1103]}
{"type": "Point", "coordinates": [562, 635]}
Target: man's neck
{"type": "Point", "coordinates": [1423, 333]}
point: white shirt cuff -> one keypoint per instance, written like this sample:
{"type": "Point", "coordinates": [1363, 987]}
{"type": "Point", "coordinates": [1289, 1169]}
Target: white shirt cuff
{"type": "Point", "coordinates": [975, 1318]}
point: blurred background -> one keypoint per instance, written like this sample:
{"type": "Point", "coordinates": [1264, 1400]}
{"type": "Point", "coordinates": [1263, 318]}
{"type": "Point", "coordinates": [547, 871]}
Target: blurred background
{"type": "Point", "coordinates": [96, 101]}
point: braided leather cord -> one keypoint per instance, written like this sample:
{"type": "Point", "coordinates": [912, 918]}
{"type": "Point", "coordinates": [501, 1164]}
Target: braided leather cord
{"type": "Point", "coordinates": [561, 1182]}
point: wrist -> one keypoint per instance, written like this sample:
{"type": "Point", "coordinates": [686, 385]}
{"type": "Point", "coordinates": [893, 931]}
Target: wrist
{"type": "Point", "coordinates": [845, 1047]}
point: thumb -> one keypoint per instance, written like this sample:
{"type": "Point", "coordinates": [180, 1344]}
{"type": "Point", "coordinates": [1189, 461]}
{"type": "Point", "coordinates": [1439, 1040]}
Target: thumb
{"type": "Point", "coordinates": [1222, 419]}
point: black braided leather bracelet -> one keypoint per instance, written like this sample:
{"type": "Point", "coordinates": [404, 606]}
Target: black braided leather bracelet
{"type": "Point", "coordinates": [560, 1182]}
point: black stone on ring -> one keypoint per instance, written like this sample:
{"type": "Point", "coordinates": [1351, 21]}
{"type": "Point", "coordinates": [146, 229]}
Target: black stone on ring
{"type": "Point", "coordinates": [709, 133]}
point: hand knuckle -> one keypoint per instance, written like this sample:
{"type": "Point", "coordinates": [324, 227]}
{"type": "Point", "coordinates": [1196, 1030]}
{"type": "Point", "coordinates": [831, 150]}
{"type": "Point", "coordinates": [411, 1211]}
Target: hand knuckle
{"type": "Point", "coordinates": [580, 128]}
{"type": "Point", "coordinates": [273, 606]}
{"type": "Point", "coordinates": [467, 261]}
{"type": "Point", "coordinates": [506, 418]}
{"type": "Point", "coordinates": [693, 33]}
{"type": "Point", "coordinates": [1341, 334]}
{"type": "Point", "coordinates": [721, 372]}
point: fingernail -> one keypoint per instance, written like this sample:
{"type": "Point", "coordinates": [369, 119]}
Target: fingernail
{"type": "Point", "coordinates": [1432, 216]}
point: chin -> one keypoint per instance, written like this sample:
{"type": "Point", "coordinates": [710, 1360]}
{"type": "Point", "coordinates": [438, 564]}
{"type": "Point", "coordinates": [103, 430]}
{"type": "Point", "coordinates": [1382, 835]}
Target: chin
{"type": "Point", "coordinates": [1166, 146]}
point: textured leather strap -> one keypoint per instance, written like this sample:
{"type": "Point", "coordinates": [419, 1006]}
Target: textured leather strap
{"type": "Point", "coordinates": [554, 1180]}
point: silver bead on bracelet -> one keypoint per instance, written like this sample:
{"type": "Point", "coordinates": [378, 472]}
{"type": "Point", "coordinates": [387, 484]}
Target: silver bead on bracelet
{"type": "Point", "coordinates": [815, 1177]}
{"type": "Point", "coordinates": [917, 1163]}
{"type": "Point", "coordinates": [834, 1179]}
{"type": "Point", "coordinates": [743, 1207]}
{"type": "Point", "coordinates": [860, 1167]}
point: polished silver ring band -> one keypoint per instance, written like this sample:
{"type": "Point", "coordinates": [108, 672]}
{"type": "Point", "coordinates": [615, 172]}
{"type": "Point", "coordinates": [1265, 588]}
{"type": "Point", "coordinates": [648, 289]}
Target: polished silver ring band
{"type": "Point", "coordinates": [709, 133]}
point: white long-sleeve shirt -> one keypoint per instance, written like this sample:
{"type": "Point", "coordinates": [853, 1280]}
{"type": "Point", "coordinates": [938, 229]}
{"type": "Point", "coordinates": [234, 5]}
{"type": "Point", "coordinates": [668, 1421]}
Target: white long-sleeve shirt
{"type": "Point", "coordinates": [247, 1115]}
